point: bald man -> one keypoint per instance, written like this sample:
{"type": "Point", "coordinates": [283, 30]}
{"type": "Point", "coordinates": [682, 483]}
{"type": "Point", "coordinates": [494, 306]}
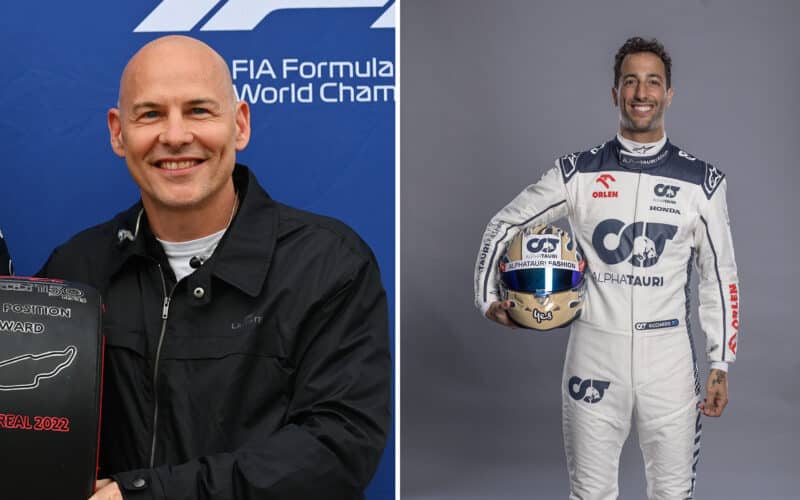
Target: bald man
{"type": "Point", "coordinates": [247, 341]}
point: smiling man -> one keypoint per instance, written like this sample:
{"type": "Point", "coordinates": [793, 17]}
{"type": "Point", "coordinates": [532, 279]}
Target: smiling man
{"type": "Point", "coordinates": [643, 211]}
{"type": "Point", "coordinates": [179, 126]}
{"type": "Point", "coordinates": [247, 342]}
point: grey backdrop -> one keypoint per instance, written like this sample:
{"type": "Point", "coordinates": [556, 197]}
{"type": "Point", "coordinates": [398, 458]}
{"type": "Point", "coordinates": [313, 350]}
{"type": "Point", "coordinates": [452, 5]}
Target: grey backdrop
{"type": "Point", "coordinates": [492, 92]}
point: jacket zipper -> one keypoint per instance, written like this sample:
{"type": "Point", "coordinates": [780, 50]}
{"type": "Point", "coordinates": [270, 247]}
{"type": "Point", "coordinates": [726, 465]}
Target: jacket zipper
{"type": "Point", "coordinates": [164, 316]}
{"type": "Point", "coordinates": [633, 271]}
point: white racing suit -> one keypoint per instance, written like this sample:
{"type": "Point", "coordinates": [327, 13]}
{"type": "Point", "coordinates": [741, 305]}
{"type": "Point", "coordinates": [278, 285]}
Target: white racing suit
{"type": "Point", "coordinates": [640, 222]}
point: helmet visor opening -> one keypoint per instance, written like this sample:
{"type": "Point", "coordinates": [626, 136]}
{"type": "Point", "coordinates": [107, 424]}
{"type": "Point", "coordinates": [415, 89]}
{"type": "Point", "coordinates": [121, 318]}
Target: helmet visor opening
{"type": "Point", "coordinates": [541, 280]}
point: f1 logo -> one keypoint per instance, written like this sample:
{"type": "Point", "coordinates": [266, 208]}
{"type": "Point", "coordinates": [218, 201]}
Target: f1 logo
{"type": "Point", "coordinates": [604, 179]}
{"type": "Point", "coordinates": [243, 15]}
{"type": "Point", "coordinates": [666, 191]}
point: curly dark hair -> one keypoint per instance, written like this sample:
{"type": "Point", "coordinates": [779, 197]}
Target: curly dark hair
{"type": "Point", "coordinates": [638, 44]}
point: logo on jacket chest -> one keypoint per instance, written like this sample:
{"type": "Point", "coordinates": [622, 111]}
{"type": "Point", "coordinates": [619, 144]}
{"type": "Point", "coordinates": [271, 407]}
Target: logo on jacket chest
{"type": "Point", "coordinates": [664, 200]}
{"type": "Point", "coordinates": [642, 242]}
{"type": "Point", "coordinates": [606, 180]}
{"type": "Point", "coordinates": [247, 322]}
{"type": "Point", "coordinates": [666, 191]}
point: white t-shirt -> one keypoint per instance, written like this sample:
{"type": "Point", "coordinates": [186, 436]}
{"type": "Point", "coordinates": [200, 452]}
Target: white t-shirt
{"type": "Point", "coordinates": [179, 253]}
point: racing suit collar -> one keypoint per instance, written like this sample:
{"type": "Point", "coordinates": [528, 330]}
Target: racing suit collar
{"type": "Point", "coordinates": [241, 258]}
{"type": "Point", "coordinates": [629, 162]}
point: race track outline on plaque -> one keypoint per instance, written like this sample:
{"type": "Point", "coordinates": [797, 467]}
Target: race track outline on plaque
{"type": "Point", "coordinates": [68, 353]}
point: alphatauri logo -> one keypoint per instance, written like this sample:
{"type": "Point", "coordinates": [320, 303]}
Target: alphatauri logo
{"type": "Point", "coordinates": [590, 391]}
{"type": "Point", "coordinates": [243, 15]}
{"type": "Point", "coordinates": [666, 190]}
{"type": "Point", "coordinates": [642, 242]}
{"type": "Point", "coordinates": [542, 245]}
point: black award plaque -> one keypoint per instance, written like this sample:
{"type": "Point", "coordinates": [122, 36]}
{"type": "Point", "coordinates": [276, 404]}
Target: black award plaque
{"type": "Point", "coordinates": [50, 383]}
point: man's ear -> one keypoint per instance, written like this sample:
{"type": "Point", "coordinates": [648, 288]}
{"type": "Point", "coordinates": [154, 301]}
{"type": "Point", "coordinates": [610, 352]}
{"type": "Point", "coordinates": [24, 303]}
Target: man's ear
{"type": "Point", "coordinates": [614, 96]}
{"type": "Point", "coordinates": [115, 132]}
{"type": "Point", "coordinates": [668, 100]}
{"type": "Point", "coordinates": [242, 119]}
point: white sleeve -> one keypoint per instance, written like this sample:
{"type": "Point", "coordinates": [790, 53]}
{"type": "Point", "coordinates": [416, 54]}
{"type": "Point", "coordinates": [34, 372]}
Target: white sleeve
{"type": "Point", "coordinates": [539, 203]}
{"type": "Point", "coordinates": [719, 284]}
{"type": "Point", "coordinates": [719, 365]}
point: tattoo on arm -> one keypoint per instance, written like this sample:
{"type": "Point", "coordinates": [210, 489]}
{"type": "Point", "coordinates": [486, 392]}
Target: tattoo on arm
{"type": "Point", "coordinates": [719, 377]}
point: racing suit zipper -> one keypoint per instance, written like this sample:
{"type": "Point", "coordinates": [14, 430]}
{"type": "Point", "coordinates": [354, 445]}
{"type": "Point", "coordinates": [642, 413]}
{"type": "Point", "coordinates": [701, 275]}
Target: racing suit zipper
{"type": "Point", "coordinates": [164, 316]}
{"type": "Point", "coordinates": [633, 270]}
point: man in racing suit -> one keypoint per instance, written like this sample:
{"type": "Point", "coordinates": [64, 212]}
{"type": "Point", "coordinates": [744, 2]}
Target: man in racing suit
{"type": "Point", "coordinates": [642, 210]}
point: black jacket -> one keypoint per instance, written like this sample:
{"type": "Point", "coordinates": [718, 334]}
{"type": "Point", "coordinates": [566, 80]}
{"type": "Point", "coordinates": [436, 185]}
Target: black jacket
{"type": "Point", "coordinates": [5, 258]}
{"type": "Point", "coordinates": [267, 370]}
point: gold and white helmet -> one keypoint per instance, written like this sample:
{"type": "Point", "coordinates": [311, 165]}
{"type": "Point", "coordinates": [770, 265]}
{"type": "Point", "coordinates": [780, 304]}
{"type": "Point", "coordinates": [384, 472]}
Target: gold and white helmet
{"type": "Point", "coordinates": [541, 272]}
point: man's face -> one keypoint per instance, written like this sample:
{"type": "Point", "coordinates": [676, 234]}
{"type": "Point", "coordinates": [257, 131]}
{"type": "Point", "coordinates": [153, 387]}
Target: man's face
{"type": "Point", "coordinates": [642, 96]}
{"type": "Point", "coordinates": [178, 126]}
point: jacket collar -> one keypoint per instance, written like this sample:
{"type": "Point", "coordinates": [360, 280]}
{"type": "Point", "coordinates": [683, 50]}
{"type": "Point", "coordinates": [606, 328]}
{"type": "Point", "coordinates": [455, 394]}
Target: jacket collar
{"type": "Point", "coordinates": [658, 158]}
{"type": "Point", "coordinates": [246, 249]}
{"type": "Point", "coordinates": [243, 255]}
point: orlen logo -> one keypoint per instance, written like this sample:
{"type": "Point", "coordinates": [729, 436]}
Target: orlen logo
{"type": "Point", "coordinates": [666, 191]}
{"type": "Point", "coordinates": [642, 242]}
{"type": "Point", "coordinates": [733, 291]}
{"type": "Point", "coordinates": [542, 245]}
{"type": "Point", "coordinates": [591, 391]}
{"type": "Point", "coordinates": [734, 295]}
{"type": "Point", "coordinates": [243, 15]}
{"type": "Point", "coordinates": [606, 180]}
{"type": "Point", "coordinates": [732, 342]}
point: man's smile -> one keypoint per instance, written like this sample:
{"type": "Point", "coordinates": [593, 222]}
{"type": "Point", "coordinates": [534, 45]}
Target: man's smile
{"type": "Point", "coordinates": [170, 164]}
{"type": "Point", "coordinates": [642, 108]}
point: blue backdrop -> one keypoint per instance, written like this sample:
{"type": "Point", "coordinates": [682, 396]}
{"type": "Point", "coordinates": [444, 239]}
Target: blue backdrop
{"type": "Point", "coordinates": [319, 78]}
